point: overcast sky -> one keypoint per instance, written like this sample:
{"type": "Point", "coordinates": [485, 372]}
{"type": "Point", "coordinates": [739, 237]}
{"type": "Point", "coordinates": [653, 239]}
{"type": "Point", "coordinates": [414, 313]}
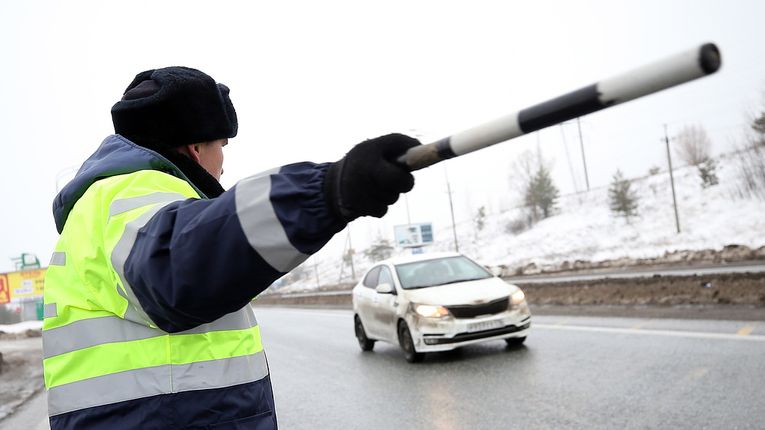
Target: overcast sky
{"type": "Point", "coordinates": [310, 79]}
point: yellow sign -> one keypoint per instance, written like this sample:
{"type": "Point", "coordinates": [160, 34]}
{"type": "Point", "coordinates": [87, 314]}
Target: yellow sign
{"type": "Point", "coordinates": [26, 285]}
{"type": "Point", "coordinates": [5, 294]}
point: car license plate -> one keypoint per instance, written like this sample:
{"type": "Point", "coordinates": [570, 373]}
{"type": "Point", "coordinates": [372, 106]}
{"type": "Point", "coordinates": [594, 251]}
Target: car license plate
{"type": "Point", "coordinates": [484, 325]}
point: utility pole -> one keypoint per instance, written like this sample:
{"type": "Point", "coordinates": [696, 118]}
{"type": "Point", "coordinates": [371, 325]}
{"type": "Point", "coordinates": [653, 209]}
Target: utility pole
{"type": "Point", "coordinates": [316, 271]}
{"type": "Point", "coordinates": [347, 252]}
{"type": "Point", "coordinates": [568, 158]}
{"type": "Point", "coordinates": [351, 252]}
{"type": "Point", "coordinates": [672, 179]}
{"type": "Point", "coordinates": [451, 208]}
{"type": "Point", "coordinates": [584, 161]}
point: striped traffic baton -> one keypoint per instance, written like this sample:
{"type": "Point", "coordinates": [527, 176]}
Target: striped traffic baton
{"type": "Point", "coordinates": [651, 78]}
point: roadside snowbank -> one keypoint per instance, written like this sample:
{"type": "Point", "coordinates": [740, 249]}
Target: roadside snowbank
{"type": "Point", "coordinates": [21, 327]}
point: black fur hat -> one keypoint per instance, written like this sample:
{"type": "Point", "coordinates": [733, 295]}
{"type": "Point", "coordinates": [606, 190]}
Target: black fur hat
{"type": "Point", "coordinates": [174, 106]}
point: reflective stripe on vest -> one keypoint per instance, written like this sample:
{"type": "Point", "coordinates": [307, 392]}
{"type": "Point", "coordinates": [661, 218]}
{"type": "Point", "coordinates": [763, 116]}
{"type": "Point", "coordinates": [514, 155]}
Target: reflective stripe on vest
{"type": "Point", "coordinates": [80, 359]}
{"type": "Point", "coordinates": [50, 310]}
{"type": "Point", "coordinates": [119, 257]}
{"type": "Point", "coordinates": [121, 206]}
{"type": "Point", "coordinates": [263, 229]}
{"type": "Point", "coordinates": [96, 331]}
{"type": "Point", "coordinates": [99, 345]}
{"type": "Point", "coordinates": [152, 381]}
{"type": "Point", "coordinates": [58, 259]}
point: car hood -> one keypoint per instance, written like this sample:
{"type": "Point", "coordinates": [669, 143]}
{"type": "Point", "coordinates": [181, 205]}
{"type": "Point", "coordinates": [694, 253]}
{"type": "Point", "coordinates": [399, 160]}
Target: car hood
{"type": "Point", "coordinates": [462, 293]}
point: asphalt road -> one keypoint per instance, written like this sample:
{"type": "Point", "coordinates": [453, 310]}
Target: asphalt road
{"type": "Point", "coordinates": [574, 372]}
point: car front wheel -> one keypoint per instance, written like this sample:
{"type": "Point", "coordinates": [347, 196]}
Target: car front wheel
{"type": "Point", "coordinates": [407, 344]}
{"type": "Point", "coordinates": [365, 343]}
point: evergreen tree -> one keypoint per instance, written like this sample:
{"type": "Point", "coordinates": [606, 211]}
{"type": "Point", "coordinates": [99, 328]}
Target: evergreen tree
{"type": "Point", "coordinates": [480, 218]}
{"type": "Point", "coordinates": [708, 173]}
{"type": "Point", "coordinates": [380, 250]}
{"type": "Point", "coordinates": [622, 200]}
{"type": "Point", "coordinates": [541, 194]}
{"type": "Point", "coordinates": [758, 125]}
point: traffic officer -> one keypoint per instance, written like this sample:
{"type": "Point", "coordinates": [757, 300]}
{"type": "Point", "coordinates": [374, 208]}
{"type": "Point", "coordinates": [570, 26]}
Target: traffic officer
{"type": "Point", "coordinates": [147, 318]}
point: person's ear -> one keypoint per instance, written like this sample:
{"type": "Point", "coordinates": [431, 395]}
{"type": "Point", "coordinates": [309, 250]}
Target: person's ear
{"type": "Point", "coordinates": [192, 151]}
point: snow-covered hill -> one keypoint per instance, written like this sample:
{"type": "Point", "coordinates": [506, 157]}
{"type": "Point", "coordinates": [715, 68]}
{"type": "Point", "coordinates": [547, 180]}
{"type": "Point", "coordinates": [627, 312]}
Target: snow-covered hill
{"type": "Point", "coordinates": [584, 228]}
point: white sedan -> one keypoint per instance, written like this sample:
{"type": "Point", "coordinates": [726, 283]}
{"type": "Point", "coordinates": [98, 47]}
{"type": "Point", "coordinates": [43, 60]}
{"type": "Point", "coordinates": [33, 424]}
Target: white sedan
{"type": "Point", "coordinates": [436, 302]}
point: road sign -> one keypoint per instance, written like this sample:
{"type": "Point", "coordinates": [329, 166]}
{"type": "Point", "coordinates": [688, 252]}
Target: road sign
{"type": "Point", "coordinates": [26, 285]}
{"type": "Point", "coordinates": [412, 235]}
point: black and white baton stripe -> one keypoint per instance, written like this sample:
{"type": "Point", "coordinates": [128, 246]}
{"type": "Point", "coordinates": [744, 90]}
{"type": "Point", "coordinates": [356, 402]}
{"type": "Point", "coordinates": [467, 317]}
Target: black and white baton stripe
{"type": "Point", "coordinates": [651, 78]}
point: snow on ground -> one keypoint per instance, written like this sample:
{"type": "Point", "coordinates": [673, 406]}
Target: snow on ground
{"type": "Point", "coordinates": [584, 228]}
{"type": "Point", "coordinates": [21, 327]}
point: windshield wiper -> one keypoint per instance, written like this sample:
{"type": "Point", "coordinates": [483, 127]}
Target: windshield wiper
{"type": "Point", "coordinates": [414, 287]}
{"type": "Point", "coordinates": [461, 280]}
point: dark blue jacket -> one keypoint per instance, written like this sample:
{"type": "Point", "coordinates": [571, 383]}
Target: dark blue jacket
{"type": "Point", "coordinates": [196, 260]}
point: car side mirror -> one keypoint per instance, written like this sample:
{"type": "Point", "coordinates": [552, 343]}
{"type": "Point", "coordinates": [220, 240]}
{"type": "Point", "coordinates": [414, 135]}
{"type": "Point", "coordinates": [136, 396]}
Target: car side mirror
{"type": "Point", "coordinates": [384, 288]}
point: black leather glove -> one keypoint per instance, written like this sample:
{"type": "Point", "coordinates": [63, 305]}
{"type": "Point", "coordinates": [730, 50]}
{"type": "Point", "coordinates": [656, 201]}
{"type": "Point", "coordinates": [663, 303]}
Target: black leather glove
{"type": "Point", "coordinates": [368, 179]}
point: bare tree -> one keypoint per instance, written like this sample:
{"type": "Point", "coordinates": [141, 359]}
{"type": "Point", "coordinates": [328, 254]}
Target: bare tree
{"type": "Point", "coordinates": [750, 158]}
{"type": "Point", "coordinates": [693, 145]}
{"type": "Point", "coordinates": [523, 170]}
{"type": "Point", "coordinates": [694, 148]}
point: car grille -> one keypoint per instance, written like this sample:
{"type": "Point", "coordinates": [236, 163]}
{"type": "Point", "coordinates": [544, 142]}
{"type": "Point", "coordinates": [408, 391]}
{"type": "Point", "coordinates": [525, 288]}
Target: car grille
{"type": "Point", "coordinates": [472, 311]}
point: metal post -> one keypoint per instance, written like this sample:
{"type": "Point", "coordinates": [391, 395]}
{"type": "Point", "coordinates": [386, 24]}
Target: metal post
{"type": "Point", "coordinates": [316, 271]}
{"type": "Point", "coordinates": [568, 158]}
{"type": "Point", "coordinates": [672, 179]}
{"type": "Point", "coordinates": [584, 161]}
{"type": "Point", "coordinates": [350, 251]}
{"type": "Point", "coordinates": [451, 208]}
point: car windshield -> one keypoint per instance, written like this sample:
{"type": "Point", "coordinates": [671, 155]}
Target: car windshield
{"type": "Point", "coordinates": [440, 271]}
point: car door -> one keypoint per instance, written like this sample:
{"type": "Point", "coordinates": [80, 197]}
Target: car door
{"type": "Point", "coordinates": [385, 307]}
{"type": "Point", "coordinates": [364, 298]}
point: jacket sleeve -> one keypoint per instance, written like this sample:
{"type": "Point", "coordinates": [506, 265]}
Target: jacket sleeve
{"type": "Point", "coordinates": [197, 260]}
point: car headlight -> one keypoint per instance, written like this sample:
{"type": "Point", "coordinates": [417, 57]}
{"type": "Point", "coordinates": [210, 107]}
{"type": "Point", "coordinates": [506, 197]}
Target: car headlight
{"type": "Point", "coordinates": [517, 298]}
{"type": "Point", "coordinates": [430, 311]}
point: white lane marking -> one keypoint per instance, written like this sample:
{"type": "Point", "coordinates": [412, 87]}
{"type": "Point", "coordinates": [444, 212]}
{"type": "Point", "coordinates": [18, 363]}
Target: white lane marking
{"type": "Point", "coordinates": [670, 333]}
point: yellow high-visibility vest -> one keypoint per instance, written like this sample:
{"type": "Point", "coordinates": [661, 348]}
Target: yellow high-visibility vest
{"type": "Point", "coordinates": [99, 345]}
